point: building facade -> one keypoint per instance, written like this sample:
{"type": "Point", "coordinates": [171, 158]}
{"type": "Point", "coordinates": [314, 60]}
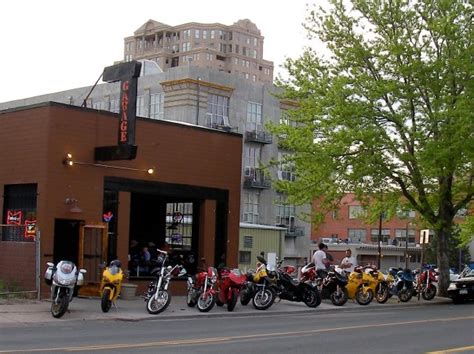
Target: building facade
{"type": "Point", "coordinates": [235, 49]}
{"type": "Point", "coordinates": [224, 100]}
{"type": "Point", "coordinates": [91, 212]}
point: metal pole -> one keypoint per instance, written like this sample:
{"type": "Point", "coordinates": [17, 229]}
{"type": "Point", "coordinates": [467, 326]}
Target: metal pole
{"type": "Point", "coordinates": [406, 246]}
{"type": "Point", "coordinates": [38, 264]}
{"type": "Point", "coordinates": [379, 238]}
{"type": "Point", "coordinates": [197, 99]}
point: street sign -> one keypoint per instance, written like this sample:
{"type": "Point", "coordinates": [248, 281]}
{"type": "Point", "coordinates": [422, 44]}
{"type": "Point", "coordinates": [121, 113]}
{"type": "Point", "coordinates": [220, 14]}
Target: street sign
{"type": "Point", "coordinates": [424, 236]}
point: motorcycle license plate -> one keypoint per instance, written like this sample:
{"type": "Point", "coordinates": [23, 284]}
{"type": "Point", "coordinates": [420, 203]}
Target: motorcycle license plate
{"type": "Point", "coordinates": [463, 291]}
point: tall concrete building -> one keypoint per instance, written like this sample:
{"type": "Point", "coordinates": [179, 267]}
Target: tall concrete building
{"type": "Point", "coordinates": [235, 49]}
{"type": "Point", "coordinates": [216, 97]}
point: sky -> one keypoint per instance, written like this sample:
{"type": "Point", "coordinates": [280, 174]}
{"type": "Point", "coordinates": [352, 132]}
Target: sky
{"type": "Point", "coordinates": [54, 45]}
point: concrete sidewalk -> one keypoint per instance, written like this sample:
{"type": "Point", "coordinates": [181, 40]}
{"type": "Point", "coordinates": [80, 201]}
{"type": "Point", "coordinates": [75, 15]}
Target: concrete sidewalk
{"type": "Point", "coordinates": [19, 311]}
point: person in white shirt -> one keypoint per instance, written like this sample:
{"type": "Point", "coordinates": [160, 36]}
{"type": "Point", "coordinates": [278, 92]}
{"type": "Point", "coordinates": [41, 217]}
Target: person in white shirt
{"type": "Point", "coordinates": [319, 259]}
{"type": "Point", "coordinates": [348, 263]}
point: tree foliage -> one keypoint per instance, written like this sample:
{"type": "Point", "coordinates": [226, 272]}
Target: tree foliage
{"type": "Point", "coordinates": [389, 113]}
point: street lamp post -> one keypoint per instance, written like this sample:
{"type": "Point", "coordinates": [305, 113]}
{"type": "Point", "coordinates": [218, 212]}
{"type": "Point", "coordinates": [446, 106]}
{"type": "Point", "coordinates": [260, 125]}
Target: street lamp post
{"type": "Point", "coordinates": [379, 239]}
{"type": "Point", "coordinates": [406, 244]}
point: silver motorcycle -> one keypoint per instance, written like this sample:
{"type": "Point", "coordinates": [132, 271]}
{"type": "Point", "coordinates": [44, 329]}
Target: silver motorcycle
{"type": "Point", "coordinates": [63, 278]}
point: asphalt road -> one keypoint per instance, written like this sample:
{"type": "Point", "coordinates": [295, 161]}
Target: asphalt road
{"type": "Point", "coordinates": [364, 330]}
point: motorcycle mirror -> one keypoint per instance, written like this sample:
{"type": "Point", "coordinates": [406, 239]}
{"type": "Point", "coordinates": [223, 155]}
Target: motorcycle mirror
{"type": "Point", "coordinates": [182, 272]}
{"type": "Point", "coordinates": [50, 264]}
{"type": "Point", "coordinates": [83, 271]}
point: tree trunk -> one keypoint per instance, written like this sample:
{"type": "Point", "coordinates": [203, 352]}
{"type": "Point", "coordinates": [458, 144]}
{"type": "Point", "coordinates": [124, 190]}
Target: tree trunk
{"type": "Point", "coordinates": [443, 260]}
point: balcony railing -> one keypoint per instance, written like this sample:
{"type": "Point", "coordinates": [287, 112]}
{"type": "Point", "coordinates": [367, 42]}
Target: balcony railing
{"type": "Point", "coordinates": [256, 178]}
{"type": "Point", "coordinates": [258, 137]}
{"type": "Point", "coordinates": [219, 122]}
{"type": "Point", "coordinates": [294, 231]}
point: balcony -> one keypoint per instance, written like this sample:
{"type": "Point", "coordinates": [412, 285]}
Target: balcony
{"type": "Point", "coordinates": [255, 178]}
{"type": "Point", "coordinates": [258, 137]}
{"type": "Point", "coordinates": [219, 122]}
{"type": "Point", "coordinates": [294, 231]}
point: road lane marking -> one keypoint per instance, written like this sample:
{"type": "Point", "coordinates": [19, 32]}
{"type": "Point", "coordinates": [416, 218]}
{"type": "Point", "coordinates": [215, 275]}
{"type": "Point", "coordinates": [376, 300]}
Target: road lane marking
{"type": "Point", "coordinates": [453, 350]}
{"type": "Point", "coordinates": [211, 340]}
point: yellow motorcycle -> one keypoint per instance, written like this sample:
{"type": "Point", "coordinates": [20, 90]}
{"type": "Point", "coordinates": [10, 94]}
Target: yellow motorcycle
{"type": "Point", "coordinates": [361, 286]}
{"type": "Point", "coordinates": [382, 289]}
{"type": "Point", "coordinates": [111, 284]}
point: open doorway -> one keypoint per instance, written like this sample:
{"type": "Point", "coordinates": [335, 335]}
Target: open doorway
{"type": "Point", "coordinates": [66, 240]}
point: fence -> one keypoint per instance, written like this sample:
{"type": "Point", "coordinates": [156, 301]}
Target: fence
{"type": "Point", "coordinates": [19, 261]}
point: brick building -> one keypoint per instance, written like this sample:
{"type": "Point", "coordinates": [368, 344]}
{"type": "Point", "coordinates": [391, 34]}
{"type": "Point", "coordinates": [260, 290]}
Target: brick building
{"type": "Point", "coordinates": [89, 211]}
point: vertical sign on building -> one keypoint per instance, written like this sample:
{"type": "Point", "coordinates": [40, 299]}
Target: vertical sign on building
{"type": "Point", "coordinates": [127, 73]}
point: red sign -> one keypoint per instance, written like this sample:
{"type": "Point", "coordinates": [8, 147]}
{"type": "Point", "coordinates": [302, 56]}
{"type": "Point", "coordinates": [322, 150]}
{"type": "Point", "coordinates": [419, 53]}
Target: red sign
{"type": "Point", "coordinates": [123, 134]}
{"type": "Point", "coordinates": [14, 217]}
{"type": "Point", "coordinates": [30, 228]}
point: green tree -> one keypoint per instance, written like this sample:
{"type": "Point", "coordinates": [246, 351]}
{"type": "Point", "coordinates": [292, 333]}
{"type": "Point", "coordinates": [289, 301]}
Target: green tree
{"type": "Point", "coordinates": [388, 113]}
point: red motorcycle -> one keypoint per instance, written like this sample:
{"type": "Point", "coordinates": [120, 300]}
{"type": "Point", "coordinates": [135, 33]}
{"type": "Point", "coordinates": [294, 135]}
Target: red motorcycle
{"type": "Point", "coordinates": [201, 290]}
{"type": "Point", "coordinates": [424, 283]}
{"type": "Point", "coordinates": [230, 283]}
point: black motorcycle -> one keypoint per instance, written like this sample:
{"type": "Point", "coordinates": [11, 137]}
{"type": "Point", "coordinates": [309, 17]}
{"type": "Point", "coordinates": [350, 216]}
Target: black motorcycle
{"type": "Point", "coordinates": [403, 284]}
{"type": "Point", "coordinates": [288, 288]}
{"type": "Point", "coordinates": [258, 287]}
{"type": "Point", "coordinates": [333, 286]}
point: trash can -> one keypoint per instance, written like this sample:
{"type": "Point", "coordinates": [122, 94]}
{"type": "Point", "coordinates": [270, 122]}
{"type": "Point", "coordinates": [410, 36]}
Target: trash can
{"type": "Point", "coordinates": [128, 292]}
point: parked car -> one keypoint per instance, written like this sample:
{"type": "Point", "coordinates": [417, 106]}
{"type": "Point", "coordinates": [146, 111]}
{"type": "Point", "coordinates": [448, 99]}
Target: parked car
{"type": "Point", "coordinates": [462, 288]}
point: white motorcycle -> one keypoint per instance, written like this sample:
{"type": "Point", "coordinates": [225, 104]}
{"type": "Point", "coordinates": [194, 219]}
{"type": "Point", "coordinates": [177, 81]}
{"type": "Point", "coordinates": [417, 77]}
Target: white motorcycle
{"type": "Point", "coordinates": [158, 297]}
{"type": "Point", "coordinates": [62, 278]}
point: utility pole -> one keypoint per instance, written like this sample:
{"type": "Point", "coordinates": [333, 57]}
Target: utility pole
{"type": "Point", "coordinates": [379, 240]}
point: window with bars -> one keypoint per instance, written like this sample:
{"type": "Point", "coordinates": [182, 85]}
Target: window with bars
{"type": "Point", "coordinates": [245, 257]}
{"type": "Point", "coordinates": [286, 169]}
{"type": "Point", "coordinates": [248, 241]}
{"type": "Point", "coordinates": [179, 225]}
{"type": "Point", "coordinates": [19, 208]}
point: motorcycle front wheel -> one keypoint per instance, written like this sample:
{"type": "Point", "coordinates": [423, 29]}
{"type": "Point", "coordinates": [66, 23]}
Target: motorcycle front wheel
{"type": "Point", "coordinates": [105, 302]}
{"type": "Point", "coordinates": [364, 297]}
{"type": "Point", "coordinates": [245, 296]}
{"type": "Point", "coordinates": [191, 298]}
{"type": "Point", "coordinates": [382, 293]}
{"type": "Point", "coordinates": [339, 299]}
{"type": "Point", "coordinates": [429, 293]}
{"type": "Point", "coordinates": [233, 299]}
{"type": "Point", "coordinates": [155, 306]}
{"type": "Point", "coordinates": [59, 307]}
{"type": "Point", "coordinates": [206, 302]}
{"type": "Point", "coordinates": [405, 294]}
{"type": "Point", "coordinates": [263, 299]}
{"type": "Point", "coordinates": [311, 297]}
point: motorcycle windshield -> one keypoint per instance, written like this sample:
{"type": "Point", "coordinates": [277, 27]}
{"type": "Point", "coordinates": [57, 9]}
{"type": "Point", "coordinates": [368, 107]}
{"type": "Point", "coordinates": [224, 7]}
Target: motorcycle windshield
{"type": "Point", "coordinates": [66, 267]}
{"type": "Point", "coordinates": [114, 270]}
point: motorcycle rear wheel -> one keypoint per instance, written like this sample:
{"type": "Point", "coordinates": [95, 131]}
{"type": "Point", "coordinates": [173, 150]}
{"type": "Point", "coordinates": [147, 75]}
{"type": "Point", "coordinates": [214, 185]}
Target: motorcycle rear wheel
{"type": "Point", "coordinates": [341, 299]}
{"type": "Point", "coordinates": [59, 308]}
{"type": "Point", "coordinates": [429, 293]}
{"type": "Point", "coordinates": [405, 294]}
{"type": "Point", "coordinates": [382, 293]}
{"type": "Point", "coordinates": [206, 302]}
{"type": "Point", "coordinates": [311, 298]}
{"type": "Point", "coordinates": [263, 299]}
{"type": "Point", "coordinates": [155, 306]}
{"type": "Point", "coordinates": [105, 303]}
{"type": "Point", "coordinates": [364, 297]}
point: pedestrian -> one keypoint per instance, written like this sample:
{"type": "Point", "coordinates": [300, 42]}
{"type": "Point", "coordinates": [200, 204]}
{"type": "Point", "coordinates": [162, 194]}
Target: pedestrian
{"type": "Point", "coordinates": [320, 261]}
{"type": "Point", "coordinates": [349, 262]}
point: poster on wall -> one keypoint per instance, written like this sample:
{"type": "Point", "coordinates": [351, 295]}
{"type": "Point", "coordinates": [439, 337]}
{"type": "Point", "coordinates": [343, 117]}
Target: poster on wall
{"type": "Point", "coordinates": [14, 217]}
{"type": "Point", "coordinates": [30, 229]}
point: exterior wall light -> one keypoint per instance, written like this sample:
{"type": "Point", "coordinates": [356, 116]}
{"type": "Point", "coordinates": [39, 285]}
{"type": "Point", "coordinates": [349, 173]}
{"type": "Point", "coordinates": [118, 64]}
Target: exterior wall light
{"type": "Point", "coordinates": [68, 161]}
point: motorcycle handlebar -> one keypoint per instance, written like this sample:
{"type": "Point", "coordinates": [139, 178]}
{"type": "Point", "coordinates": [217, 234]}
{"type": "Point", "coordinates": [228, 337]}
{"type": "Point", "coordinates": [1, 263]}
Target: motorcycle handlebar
{"type": "Point", "coordinates": [161, 251]}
